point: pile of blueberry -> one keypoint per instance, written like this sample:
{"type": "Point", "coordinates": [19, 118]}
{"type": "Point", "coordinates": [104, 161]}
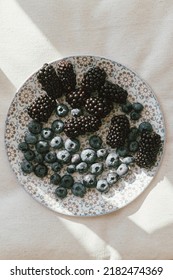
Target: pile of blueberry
{"type": "Point", "coordinates": [46, 152]}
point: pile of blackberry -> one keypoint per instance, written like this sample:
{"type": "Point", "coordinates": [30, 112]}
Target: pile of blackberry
{"type": "Point", "coordinates": [96, 94]}
{"type": "Point", "coordinates": [118, 131]}
{"type": "Point", "coordinates": [149, 146]}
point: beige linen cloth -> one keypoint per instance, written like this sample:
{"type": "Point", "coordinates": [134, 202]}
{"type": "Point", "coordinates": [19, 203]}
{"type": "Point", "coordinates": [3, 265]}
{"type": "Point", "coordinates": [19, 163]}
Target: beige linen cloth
{"type": "Point", "coordinates": [136, 33]}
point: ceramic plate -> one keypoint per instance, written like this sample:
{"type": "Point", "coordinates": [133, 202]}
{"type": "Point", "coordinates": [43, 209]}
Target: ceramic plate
{"type": "Point", "coordinates": [93, 203]}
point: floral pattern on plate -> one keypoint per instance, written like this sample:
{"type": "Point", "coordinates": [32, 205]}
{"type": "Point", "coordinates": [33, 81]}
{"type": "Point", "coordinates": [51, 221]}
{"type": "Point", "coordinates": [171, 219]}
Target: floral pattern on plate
{"type": "Point", "coordinates": [93, 203]}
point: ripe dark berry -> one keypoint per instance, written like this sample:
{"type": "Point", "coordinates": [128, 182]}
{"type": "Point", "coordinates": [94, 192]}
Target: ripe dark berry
{"type": "Point", "coordinates": [98, 106]}
{"type": "Point", "coordinates": [27, 167]}
{"type": "Point", "coordinates": [35, 127]}
{"type": "Point", "coordinates": [55, 179]}
{"type": "Point", "coordinates": [118, 131]}
{"type": "Point", "coordinates": [134, 115]}
{"type": "Point", "coordinates": [49, 81]}
{"type": "Point", "coordinates": [138, 107]}
{"type": "Point", "coordinates": [67, 181]}
{"type": "Point", "coordinates": [81, 125]}
{"type": "Point", "coordinates": [23, 146]}
{"type": "Point", "coordinates": [57, 126]}
{"type": "Point", "coordinates": [93, 79]}
{"type": "Point", "coordinates": [67, 75]}
{"type": "Point", "coordinates": [61, 192]}
{"type": "Point", "coordinates": [42, 108]}
{"type": "Point", "coordinates": [102, 186]}
{"type": "Point", "coordinates": [113, 92]}
{"type": "Point", "coordinates": [40, 170]}
{"type": "Point", "coordinates": [78, 189]}
{"type": "Point", "coordinates": [149, 146]}
{"type": "Point", "coordinates": [29, 155]}
{"type": "Point", "coordinates": [77, 98]}
{"type": "Point", "coordinates": [95, 142]}
{"type": "Point", "coordinates": [62, 110]}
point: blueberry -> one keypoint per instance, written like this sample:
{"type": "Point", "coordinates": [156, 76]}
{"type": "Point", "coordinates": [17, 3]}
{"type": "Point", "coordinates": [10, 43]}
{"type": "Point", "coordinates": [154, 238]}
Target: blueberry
{"type": "Point", "coordinates": [88, 155]}
{"type": "Point", "coordinates": [127, 107]}
{"type": "Point", "coordinates": [55, 179]}
{"type": "Point", "coordinates": [82, 167]}
{"type": "Point", "coordinates": [145, 126]}
{"type": "Point", "coordinates": [50, 157]}
{"type": "Point", "coordinates": [128, 160]}
{"type": "Point", "coordinates": [31, 138]}
{"type": "Point", "coordinates": [78, 189]}
{"type": "Point", "coordinates": [64, 156]}
{"type": "Point", "coordinates": [90, 181]}
{"type": "Point", "coordinates": [71, 168]}
{"type": "Point", "coordinates": [76, 112]}
{"type": "Point", "coordinates": [122, 169]}
{"type": "Point", "coordinates": [112, 160]}
{"type": "Point", "coordinates": [42, 147]}
{"type": "Point", "coordinates": [57, 126]}
{"type": "Point", "coordinates": [27, 167]}
{"type": "Point", "coordinates": [75, 159]}
{"type": "Point", "coordinates": [102, 153]}
{"type": "Point", "coordinates": [35, 127]}
{"type": "Point", "coordinates": [67, 181]}
{"type": "Point", "coordinates": [96, 168]}
{"type": "Point", "coordinates": [61, 192]}
{"type": "Point", "coordinates": [122, 151]}
{"type": "Point", "coordinates": [56, 142]}
{"type": "Point", "coordinates": [102, 186]}
{"type": "Point", "coordinates": [95, 142]}
{"type": "Point", "coordinates": [112, 178]}
{"type": "Point", "coordinates": [56, 166]}
{"type": "Point", "coordinates": [133, 146]}
{"type": "Point", "coordinates": [72, 145]}
{"type": "Point", "coordinates": [39, 158]}
{"type": "Point", "coordinates": [62, 110]}
{"type": "Point", "coordinates": [135, 115]}
{"type": "Point", "coordinates": [29, 155]}
{"type": "Point", "coordinates": [40, 170]}
{"type": "Point", "coordinates": [23, 146]}
{"type": "Point", "coordinates": [138, 107]}
{"type": "Point", "coordinates": [133, 134]}
{"type": "Point", "coordinates": [47, 133]}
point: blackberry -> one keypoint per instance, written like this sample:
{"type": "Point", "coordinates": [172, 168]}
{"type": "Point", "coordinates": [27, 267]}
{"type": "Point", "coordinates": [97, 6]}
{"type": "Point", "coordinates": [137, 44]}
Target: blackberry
{"type": "Point", "coordinates": [98, 106]}
{"type": "Point", "coordinates": [67, 75]}
{"type": "Point", "coordinates": [77, 98]}
{"type": "Point", "coordinates": [149, 146]}
{"type": "Point", "coordinates": [81, 125]}
{"type": "Point", "coordinates": [41, 109]}
{"type": "Point", "coordinates": [113, 92]}
{"type": "Point", "coordinates": [118, 131]}
{"type": "Point", "coordinates": [49, 81]}
{"type": "Point", "coordinates": [93, 79]}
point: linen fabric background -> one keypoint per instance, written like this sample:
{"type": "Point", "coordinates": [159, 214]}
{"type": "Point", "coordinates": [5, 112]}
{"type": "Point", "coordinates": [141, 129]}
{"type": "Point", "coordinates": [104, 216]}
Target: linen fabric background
{"type": "Point", "coordinates": [136, 33]}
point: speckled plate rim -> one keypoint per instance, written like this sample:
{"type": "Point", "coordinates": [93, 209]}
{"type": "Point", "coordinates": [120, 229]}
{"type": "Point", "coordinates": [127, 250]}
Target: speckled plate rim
{"type": "Point", "coordinates": [163, 142]}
